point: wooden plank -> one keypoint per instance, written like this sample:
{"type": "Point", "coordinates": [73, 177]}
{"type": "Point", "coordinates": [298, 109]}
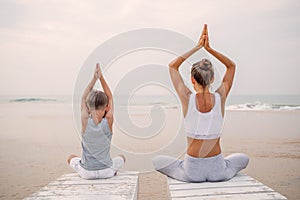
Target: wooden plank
{"type": "Point", "coordinates": [219, 191]}
{"type": "Point", "coordinates": [70, 186]}
{"type": "Point", "coordinates": [188, 186]}
{"type": "Point", "coordinates": [240, 187]}
{"type": "Point", "coordinates": [123, 173]}
{"type": "Point", "coordinates": [77, 180]}
{"type": "Point", "coordinates": [251, 196]}
{"type": "Point", "coordinates": [238, 177]}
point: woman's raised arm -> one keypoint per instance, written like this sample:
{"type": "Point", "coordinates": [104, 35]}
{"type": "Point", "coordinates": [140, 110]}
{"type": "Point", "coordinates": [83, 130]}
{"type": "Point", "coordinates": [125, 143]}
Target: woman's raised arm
{"type": "Point", "coordinates": [181, 89]}
{"type": "Point", "coordinates": [229, 64]}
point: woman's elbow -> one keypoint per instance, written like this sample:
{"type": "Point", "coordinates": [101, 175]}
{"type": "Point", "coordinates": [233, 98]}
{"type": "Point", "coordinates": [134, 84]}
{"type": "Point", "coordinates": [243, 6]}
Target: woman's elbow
{"type": "Point", "coordinates": [231, 65]}
{"type": "Point", "coordinates": [171, 64]}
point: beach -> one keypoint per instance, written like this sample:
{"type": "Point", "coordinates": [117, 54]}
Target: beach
{"type": "Point", "coordinates": [37, 137]}
{"type": "Point", "coordinates": [150, 53]}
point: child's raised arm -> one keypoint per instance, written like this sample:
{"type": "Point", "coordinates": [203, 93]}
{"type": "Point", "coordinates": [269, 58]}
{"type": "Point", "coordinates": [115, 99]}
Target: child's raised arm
{"type": "Point", "coordinates": [84, 108]}
{"type": "Point", "coordinates": [106, 89]}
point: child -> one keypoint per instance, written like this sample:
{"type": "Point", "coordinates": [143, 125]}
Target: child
{"type": "Point", "coordinates": [97, 121]}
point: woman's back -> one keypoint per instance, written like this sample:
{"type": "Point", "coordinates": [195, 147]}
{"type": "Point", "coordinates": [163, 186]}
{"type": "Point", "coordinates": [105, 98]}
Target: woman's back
{"type": "Point", "coordinates": [203, 124]}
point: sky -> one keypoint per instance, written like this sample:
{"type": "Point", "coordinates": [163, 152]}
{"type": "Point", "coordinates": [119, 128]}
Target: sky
{"type": "Point", "coordinates": [43, 44]}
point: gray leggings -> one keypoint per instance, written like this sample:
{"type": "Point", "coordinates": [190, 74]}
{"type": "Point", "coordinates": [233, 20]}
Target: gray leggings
{"type": "Point", "coordinates": [193, 169]}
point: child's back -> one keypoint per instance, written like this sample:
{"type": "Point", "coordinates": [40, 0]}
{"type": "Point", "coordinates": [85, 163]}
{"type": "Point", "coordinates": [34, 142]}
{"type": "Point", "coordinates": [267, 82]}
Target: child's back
{"type": "Point", "coordinates": [96, 146]}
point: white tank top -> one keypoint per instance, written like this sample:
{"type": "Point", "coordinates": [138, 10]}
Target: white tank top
{"type": "Point", "coordinates": [207, 125]}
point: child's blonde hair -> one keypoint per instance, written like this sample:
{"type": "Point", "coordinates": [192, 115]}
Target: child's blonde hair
{"type": "Point", "coordinates": [96, 99]}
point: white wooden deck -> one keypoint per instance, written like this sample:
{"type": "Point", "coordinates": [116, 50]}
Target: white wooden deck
{"type": "Point", "coordinates": [124, 186]}
{"type": "Point", "coordinates": [241, 187]}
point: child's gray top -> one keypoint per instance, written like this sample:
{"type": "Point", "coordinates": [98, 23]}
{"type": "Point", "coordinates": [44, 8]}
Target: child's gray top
{"type": "Point", "coordinates": [96, 145]}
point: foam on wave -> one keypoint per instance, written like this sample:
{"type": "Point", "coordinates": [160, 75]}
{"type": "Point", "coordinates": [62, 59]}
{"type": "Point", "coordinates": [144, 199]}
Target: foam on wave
{"type": "Point", "coordinates": [258, 106]}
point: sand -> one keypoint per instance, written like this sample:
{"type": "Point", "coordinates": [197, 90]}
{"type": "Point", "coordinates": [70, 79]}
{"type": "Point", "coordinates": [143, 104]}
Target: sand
{"type": "Point", "coordinates": [36, 138]}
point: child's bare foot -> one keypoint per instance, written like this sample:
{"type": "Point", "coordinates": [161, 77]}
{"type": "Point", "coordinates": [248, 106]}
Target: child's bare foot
{"type": "Point", "coordinates": [70, 158]}
{"type": "Point", "coordinates": [123, 157]}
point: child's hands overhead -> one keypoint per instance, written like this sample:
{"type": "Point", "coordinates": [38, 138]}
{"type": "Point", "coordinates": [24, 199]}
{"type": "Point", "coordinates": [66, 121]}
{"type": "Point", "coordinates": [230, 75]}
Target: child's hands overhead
{"type": "Point", "coordinates": [98, 69]}
{"type": "Point", "coordinates": [98, 72]}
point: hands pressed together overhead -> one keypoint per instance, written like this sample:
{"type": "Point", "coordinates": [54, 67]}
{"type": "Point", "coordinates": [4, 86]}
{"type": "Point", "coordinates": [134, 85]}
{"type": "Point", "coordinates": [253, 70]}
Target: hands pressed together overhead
{"type": "Point", "coordinates": [98, 72]}
{"type": "Point", "coordinates": [203, 41]}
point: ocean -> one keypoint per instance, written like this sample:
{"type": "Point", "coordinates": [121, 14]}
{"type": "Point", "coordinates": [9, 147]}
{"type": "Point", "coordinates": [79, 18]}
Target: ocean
{"type": "Point", "coordinates": [234, 102]}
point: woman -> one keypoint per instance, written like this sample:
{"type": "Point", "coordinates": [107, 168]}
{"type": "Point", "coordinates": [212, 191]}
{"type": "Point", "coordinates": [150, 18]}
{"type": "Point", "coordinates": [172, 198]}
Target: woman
{"type": "Point", "coordinates": [203, 118]}
{"type": "Point", "coordinates": [97, 123]}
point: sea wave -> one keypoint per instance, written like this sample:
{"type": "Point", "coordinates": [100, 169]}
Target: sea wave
{"type": "Point", "coordinates": [259, 106]}
{"type": "Point", "coordinates": [33, 100]}
{"type": "Point", "coordinates": [147, 105]}
{"type": "Point", "coordinates": [253, 106]}
{"type": "Point", "coordinates": [256, 106]}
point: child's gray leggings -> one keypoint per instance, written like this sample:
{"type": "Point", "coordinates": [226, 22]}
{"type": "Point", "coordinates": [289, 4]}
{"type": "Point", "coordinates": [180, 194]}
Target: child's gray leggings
{"type": "Point", "coordinates": [193, 169]}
